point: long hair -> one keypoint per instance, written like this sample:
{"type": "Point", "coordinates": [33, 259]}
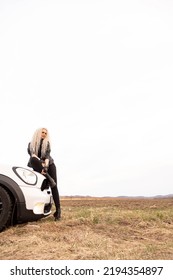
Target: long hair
{"type": "Point", "coordinates": [36, 140]}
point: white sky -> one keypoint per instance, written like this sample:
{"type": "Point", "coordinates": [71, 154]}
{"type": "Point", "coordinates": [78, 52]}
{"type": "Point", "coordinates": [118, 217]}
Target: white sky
{"type": "Point", "coordinates": [98, 75]}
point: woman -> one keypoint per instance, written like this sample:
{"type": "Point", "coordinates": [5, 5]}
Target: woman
{"type": "Point", "coordinates": [41, 161]}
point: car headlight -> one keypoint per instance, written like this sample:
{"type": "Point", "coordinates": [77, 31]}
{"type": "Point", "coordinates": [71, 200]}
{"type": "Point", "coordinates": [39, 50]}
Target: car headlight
{"type": "Point", "coordinates": [26, 175]}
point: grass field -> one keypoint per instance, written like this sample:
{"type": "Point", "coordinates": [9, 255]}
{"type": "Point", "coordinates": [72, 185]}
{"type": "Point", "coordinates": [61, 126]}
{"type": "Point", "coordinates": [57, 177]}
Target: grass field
{"type": "Point", "coordinates": [96, 229]}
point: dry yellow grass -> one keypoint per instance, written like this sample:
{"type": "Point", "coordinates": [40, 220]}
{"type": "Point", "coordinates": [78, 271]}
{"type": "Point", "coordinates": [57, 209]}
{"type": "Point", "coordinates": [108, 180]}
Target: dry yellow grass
{"type": "Point", "coordinates": [96, 229]}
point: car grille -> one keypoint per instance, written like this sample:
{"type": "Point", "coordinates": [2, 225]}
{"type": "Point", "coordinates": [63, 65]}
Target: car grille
{"type": "Point", "coordinates": [47, 208]}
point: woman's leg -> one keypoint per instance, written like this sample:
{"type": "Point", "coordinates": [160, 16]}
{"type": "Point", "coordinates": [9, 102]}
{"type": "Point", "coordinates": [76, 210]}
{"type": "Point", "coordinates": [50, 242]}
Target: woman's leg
{"type": "Point", "coordinates": [55, 193]}
{"type": "Point", "coordinates": [52, 171]}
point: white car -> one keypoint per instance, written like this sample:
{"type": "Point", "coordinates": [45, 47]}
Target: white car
{"type": "Point", "coordinates": [24, 196]}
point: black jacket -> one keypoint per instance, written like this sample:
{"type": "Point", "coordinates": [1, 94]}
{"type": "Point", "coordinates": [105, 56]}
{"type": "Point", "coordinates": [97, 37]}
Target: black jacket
{"type": "Point", "coordinates": [43, 156]}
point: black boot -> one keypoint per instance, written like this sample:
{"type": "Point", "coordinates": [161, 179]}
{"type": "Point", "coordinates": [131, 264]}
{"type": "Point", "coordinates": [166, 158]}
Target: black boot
{"type": "Point", "coordinates": [51, 180]}
{"type": "Point", "coordinates": [57, 214]}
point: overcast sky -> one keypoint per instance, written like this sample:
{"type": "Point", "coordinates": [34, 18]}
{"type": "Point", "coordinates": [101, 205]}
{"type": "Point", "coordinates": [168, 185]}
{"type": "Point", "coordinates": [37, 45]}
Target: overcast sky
{"type": "Point", "coordinates": [99, 75]}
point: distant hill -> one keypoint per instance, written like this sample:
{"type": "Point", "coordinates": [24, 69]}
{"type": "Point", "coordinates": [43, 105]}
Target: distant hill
{"type": "Point", "coordinates": [140, 197]}
{"type": "Point", "coordinates": [135, 197]}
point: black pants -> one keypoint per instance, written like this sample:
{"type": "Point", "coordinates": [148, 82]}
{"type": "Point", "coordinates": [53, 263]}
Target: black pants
{"type": "Point", "coordinates": [37, 166]}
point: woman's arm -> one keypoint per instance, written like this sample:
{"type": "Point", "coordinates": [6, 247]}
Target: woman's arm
{"type": "Point", "coordinates": [47, 156]}
{"type": "Point", "coordinates": [28, 149]}
{"type": "Point", "coordinates": [31, 154]}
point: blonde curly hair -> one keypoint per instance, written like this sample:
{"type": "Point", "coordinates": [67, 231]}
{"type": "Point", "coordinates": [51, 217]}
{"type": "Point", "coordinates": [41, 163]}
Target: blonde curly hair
{"type": "Point", "coordinates": [36, 139]}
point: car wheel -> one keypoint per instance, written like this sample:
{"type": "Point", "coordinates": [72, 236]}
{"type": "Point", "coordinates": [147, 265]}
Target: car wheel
{"type": "Point", "coordinates": [6, 207]}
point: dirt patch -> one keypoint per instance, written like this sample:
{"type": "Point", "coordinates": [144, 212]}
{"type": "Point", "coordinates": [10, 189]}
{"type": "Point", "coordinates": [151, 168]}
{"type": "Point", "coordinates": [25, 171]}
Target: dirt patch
{"type": "Point", "coordinates": [96, 228]}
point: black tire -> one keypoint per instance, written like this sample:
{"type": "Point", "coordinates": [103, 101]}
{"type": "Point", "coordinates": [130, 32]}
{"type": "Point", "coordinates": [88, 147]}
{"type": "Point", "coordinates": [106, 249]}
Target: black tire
{"type": "Point", "coordinates": [6, 207]}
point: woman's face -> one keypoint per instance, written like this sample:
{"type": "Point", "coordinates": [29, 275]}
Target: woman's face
{"type": "Point", "coordinates": [43, 133]}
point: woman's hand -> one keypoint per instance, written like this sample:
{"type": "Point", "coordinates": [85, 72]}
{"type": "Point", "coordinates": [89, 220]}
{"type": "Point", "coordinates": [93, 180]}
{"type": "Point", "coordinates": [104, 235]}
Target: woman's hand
{"type": "Point", "coordinates": [44, 170]}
